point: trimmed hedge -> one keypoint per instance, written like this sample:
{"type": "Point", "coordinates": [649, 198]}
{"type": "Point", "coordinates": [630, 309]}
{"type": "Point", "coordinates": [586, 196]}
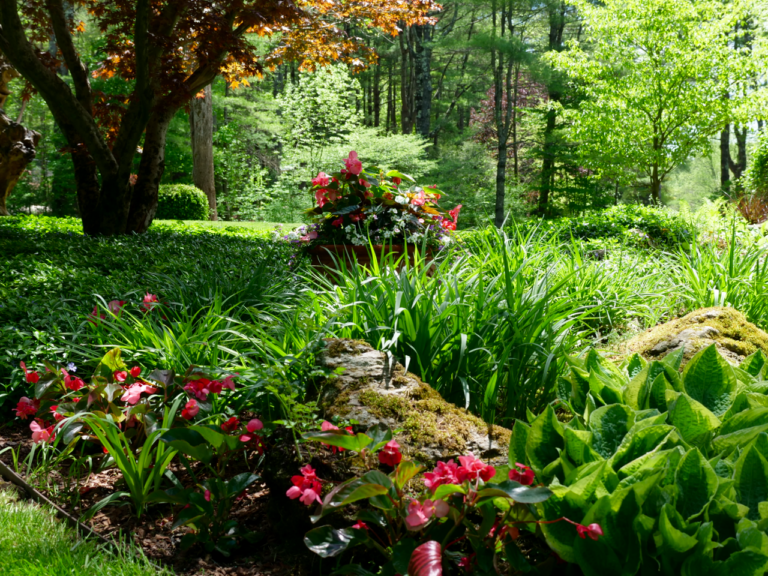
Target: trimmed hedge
{"type": "Point", "coordinates": [181, 202]}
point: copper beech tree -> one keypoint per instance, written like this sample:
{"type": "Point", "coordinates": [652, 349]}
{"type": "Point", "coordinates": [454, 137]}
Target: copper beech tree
{"type": "Point", "coordinates": [168, 51]}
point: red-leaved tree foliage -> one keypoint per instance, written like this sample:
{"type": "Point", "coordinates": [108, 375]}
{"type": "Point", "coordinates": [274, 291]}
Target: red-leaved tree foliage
{"type": "Point", "coordinates": [169, 50]}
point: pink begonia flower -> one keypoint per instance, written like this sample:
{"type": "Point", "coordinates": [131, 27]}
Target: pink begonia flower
{"type": "Point", "coordinates": [149, 302]}
{"type": "Point", "coordinates": [471, 469]}
{"type": "Point", "coordinates": [444, 473]}
{"type": "Point", "coordinates": [207, 495]}
{"type": "Point", "coordinates": [190, 410]}
{"type": "Point", "coordinates": [230, 425]}
{"type": "Point", "coordinates": [229, 382]}
{"type": "Point", "coordinates": [360, 525]}
{"type": "Point", "coordinates": [30, 376]}
{"type": "Point", "coordinates": [354, 166]}
{"type": "Point", "coordinates": [420, 199]}
{"type": "Point", "coordinates": [338, 222]}
{"type": "Point", "coordinates": [327, 426]}
{"type": "Point", "coordinates": [522, 474]}
{"type": "Point", "coordinates": [390, 454]}
{"type": "Point", "coordinates": [321, 179]}
{"type": "Point", "coordinates": [455, 213]}
{"type": "Point", "coordinates": [306, 487]}
{"type": "Point", "coordinates": [136, 371]}
{"type": "Point", "coordinates": [396, 180]}
{"type": "Point", "coordinates": [72, 382]}
{"type": "Point", "coordinates": [121, 375]}
{"type": "Point", "coordinates": [594, 531]}
{"type": "Point", "coordinates": [320, 197]}
{"type": "Point", "coordinates": [56, 416]}
{"type": "Point", "coordinates": [311, 236]}
{"type": "Point", "coordinates": [254, 425]}
{"type": "Point", "coordinates": [419, 514]}
{"type": "Point", "coordinates": [27, 407]}
{"type": "Point", "coordinates": [200, 388]}
{"type": "Point", "coordinates": [448, 225]}
{"type": "Point", "coordinates": [364, 182]}
{"type": "Point", "coordinates": [133, 393]}
{"type": "Point", "coordinates": [40, 434]}
{"type": "Point", "coordinates": [115, 306]}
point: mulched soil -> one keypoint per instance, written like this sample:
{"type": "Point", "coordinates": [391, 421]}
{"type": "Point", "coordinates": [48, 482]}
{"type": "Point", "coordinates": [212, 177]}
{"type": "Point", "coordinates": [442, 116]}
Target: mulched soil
{"type": "Point", "coordinates": [269, 555]}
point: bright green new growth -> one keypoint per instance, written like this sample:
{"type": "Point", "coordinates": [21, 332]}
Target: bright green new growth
{"type": "Point", "coordinates": [181, 202]}
{"type": "Point", "coordinates": [674, 468]}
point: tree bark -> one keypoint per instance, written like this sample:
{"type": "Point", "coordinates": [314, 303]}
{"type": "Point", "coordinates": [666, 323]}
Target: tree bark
{"type": "Point", "coordinates": [17, 150]}
{"type": "Point", "coordinates": [548, 160]}
{"type": "Point", "coordinates": [655, 186]}
{"type": "Point", "coordinates": [423, 78]}
{"type": "Point", "coordinates": [201, 131]}
{"type": "Point", "coordinates": [501, 184]}
{"type": "Point", "coordinates": [725, 158]}
{"type": "Point", "coordinates": [377, 95]}
{"type": "Point", "coordinates": [151, 168]}
{"type": "Point", "coordinates": [740, 165]}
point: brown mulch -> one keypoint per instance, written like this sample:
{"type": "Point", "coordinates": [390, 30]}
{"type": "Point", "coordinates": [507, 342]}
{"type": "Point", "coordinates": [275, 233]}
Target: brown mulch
{"type": "Point", "coordinates": [269, 554]}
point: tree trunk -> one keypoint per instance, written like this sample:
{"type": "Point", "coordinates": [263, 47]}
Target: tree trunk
{"type": "Point", "coordinates": [725, 158]}
{"type": "Point", "coordinates": [423, 78]}
{"type": "Point", "coordinates": [151, 168]}
{"type": "Point", "coordinates": [548, 161]}
{"type": "Point", "coordinates": [740, 165]}
{"type": "Point", "coordinates": [377, 95]}
{"type": "Point", "coordinates": [17, 150]}
{"type": "Point", "coordinates": [201, 131]}
{"type": "Point", "coordinates": [501, 184]}
{"type": "Point", "coordinates": [655, 186]}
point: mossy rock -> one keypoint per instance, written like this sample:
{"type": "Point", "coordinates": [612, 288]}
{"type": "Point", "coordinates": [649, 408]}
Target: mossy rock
{"type": "Point", "coordinates": [373, 389]}
{"type": "Point", "coordinates": [727, 328]}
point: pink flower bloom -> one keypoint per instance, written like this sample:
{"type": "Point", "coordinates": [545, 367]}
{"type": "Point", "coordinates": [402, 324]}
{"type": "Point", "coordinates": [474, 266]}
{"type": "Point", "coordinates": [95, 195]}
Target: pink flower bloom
{"type": "Point", "coordinates": [133, 393]}
{"type": "Point", "coordinates": [444, 473]}
{"type": "Point", "coordinates": [320, 197]}
{"type": "Point", "coordinates": [448, 225]}
{"type": "Point", "coordinates": [306, 487]}
{"type": "Point", "coordinates": [420, 200]}
{"type": "Point", "coordinates": [27, 407]}
{"type": "Point", "coordinates": [354, 166]}
{"type": "Point", "coordinates": [338, 222]}
{"type": "Point", "coordinates": [521, 473]}
{"type": "Point", "coordinates": [199, 388]}
{"type": "Point", "coordinates": [360, 525]}
{"type": "Point", "coordinates": [229, 382]}
{"type": "Point", "coordinates": [72, 382]}
{"type": "Point", "coordinates": [321, 179]}
{"type": "Point", "coordinates": [230, 425]}
{"type": "Point", "coordinates": [149, 302]}
{"type": "Point", "coordinates": [396, 180]}
{"type": "Point", "coordinates": [214, 386]}
{"type": "Point", "coordinates": [207, 495]}
{"type": "Point", "coordinates": [254, 425]}
{"type": "Point", "coordinates": [121, 375]}
{"type": "Point", "coordinates": [593, 531]}
{"type": "Point", "coordinates": [419, 514]}
{"type": "Point", "coordinates": [356, 217]}
{"type": "Point", "coordinates": [471, 469]}
{"type": "Point", "coordinates": [364, 182]}
{"type": "Point", "coordinates": [56, 416]}
{"type": "Point", "coordinates": [455, 213]}
{"type": "Point", "coordinates": [325, 427]}
{"type": "Point", "coordinates": [390, 454]}
{"type": "Point", "coordinates": [30, 376]}
{"type": "Point", "coordinates": [115, 306]}
{"type": "Point", "coordinates": [96, 315]}
{"type": "Point", "coordinates": [190, 410]}
{"type": "Point", "coordinates": [136, 371]}
{"type": "Point", "coordinates": [40, 434]}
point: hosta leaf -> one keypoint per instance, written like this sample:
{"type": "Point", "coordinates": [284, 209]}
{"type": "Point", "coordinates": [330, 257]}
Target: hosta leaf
{"type": "Point", "coordinates": [635, 365]}
{"type": "Point", "coordinates": [544, 440]}
{"type": "Point", "coordinates": [516, 491]}
{"type": "Point", "coordinates": [517, 442]}
{"type": "Point", "coordinates": [578, 447]}
{"type": "Point", "coordinates": [694, 421]}
{"type": "Point", "coordinates": [753, 364]}
{"type": "Point", "coordinates": [609, 425]}
{"type": "Point", "coordinates": [639, 441]}
{"type": "Point", "coordinates": [672, 537]}
{"type": "Point", "coordinates": [674, 359]}
{"type": "Point", "coordinates": [696, 483]}
{"type": "Point", "coordinates": [709, 379]}
{"type": "Point", "coordinates": [725, 443]}
{"type": "Point", "coordinates": [745, 419]}
{"type": "Point", "coordinates": [751, 478]}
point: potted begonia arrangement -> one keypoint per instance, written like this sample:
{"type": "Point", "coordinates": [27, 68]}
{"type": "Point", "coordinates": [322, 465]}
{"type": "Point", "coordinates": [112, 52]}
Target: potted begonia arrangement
{"type": "Point", "coordinates": [358, 207]}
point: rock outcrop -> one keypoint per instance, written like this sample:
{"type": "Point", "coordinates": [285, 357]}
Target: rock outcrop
{"type": "Point", "coordinates": [728, 329]}
{"type": "Point", "coordinates": [374, 389]}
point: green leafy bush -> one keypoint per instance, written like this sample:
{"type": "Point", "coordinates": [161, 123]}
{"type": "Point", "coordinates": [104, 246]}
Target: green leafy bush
{"type": "Point", "coordinates": [673, 467]}
{"type": "Point", "coordinates": [755, 180]}
{"type": "Point", "coordinates": [637, 223]}
{"type": "Point", "coordinates": [181, 202]}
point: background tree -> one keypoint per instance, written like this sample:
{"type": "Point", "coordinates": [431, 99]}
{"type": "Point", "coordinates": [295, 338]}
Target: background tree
{"type": "Point", "coordinates": [201, 136]}
{"type": "Point", "coordinates": [654, 78]}
{"type": "Point", "coordinates": [169, 51]}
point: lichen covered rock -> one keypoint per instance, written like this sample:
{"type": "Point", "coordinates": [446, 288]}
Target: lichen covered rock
{"type": "Point", "coordinates": [373, 389]}
{"type": "Point", "coordinates": [728, 329]}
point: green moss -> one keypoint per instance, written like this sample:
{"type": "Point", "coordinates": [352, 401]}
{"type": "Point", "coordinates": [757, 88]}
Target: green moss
{"type": "Point", "coordinates": [734, 334]}
{"type": "Point", "coordinates": [336, 348]}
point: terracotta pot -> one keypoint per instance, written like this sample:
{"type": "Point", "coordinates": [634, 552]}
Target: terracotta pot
{"type": "Point", "coordinates": [331, 255]}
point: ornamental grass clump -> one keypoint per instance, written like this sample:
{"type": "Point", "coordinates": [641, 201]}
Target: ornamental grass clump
{"type": "Point", "coordinates": [358, 206]}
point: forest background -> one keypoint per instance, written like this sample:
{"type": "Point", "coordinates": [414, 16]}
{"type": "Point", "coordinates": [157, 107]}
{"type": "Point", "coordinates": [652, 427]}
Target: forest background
{"type": "Point", "coordinates": [478, 103]}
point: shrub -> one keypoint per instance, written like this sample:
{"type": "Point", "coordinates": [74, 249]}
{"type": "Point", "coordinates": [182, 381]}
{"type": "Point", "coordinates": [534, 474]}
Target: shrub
{"type": "Point", "coordinates": [181, 202]}
{"type": "Point", "coordinates": [673, 467]}
{"type": "Point", "coordinates": [755, 180]}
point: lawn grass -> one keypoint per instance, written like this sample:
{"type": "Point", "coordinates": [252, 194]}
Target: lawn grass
{"type": "Point", "coordinates": [33, 541]}
{"type": "Point", "coordinates": [226, 223]}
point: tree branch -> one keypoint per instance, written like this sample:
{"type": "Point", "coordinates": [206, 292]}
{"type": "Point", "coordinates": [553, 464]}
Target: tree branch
{"type": "Point", "coordinates": [77, 69]}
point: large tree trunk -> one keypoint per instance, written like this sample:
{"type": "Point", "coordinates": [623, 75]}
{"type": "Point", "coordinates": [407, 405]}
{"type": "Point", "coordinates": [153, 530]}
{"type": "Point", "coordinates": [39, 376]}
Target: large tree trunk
{"type": "Point", "coordinates": [151, 168]}
{"type": "Point", "coordinates": [740, 165]}
{"type": "Point", "coordinates": [201, 131]}
{"type": "Point", "coordinates": [548, 161]}
{"type": "Point", "coordinates": [423, 78]}
{"type": "Point", "coordinates": [17, 150]}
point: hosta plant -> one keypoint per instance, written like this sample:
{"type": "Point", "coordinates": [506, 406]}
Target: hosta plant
{"type": "Point", "coordinates": [459, 516]}
{"type": "Point", "coordinates": [673, 466]}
